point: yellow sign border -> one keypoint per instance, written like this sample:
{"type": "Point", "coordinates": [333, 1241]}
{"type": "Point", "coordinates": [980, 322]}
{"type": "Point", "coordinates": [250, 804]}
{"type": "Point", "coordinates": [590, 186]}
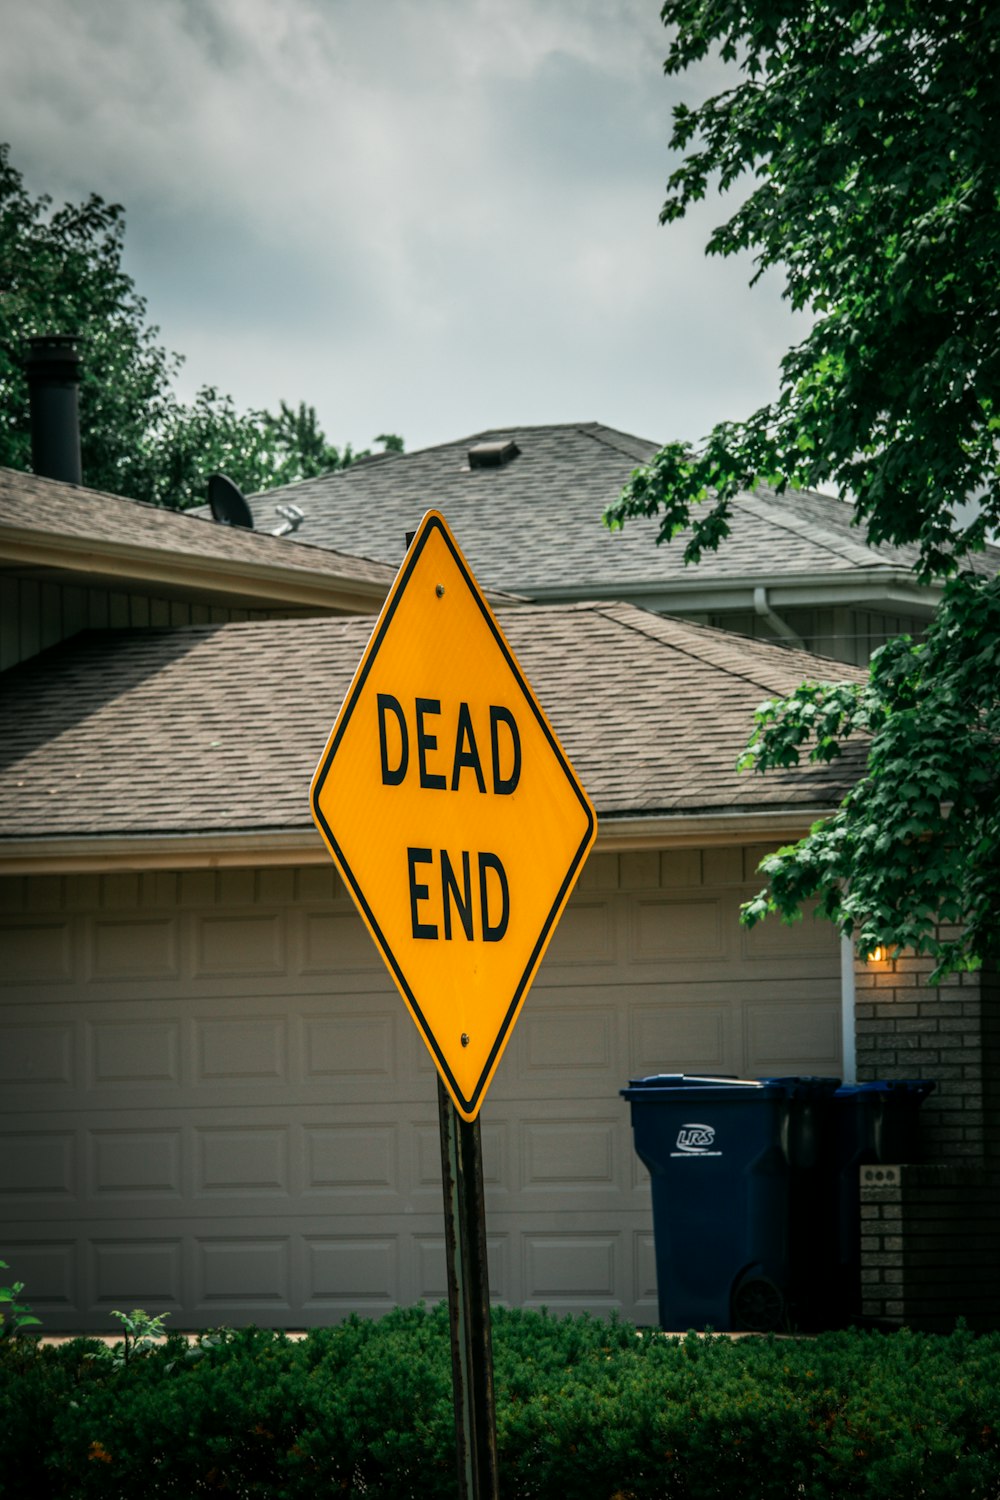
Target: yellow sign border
{"type": "Point", "coordinates": [469, 1107]}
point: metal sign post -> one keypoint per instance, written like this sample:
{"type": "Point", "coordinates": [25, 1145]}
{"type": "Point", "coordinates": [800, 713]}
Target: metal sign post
{"type": "Point", "coordinates": [468, 1302]}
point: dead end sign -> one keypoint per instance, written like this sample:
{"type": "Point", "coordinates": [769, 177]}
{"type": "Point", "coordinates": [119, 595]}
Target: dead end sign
{"type": "Point", "coordinates": [452, 812]}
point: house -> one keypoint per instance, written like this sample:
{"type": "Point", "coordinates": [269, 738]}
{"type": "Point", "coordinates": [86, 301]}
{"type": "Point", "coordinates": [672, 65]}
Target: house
{"type": "Point", "coordinates": [213, 1101]}
{"type": "Point", "coordinates": [527, 504]}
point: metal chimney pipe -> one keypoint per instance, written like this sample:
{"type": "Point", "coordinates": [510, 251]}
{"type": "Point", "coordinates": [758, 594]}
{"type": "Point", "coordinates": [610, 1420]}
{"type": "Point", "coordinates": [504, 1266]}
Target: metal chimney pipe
{"type": "Point", "coordinates": [53, 370]}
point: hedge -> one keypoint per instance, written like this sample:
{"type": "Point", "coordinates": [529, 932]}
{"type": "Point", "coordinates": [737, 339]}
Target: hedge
{"type": "Point", "coordinates": [586, 1410]}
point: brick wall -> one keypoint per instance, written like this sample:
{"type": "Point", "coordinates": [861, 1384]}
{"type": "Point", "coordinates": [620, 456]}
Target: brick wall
{"type": "Point", "coordinates": [904, 1029]}
{"type": "Point", "coordinates": [930, 1245]}
{"type": "Point", "coordinates": [930, 1231]}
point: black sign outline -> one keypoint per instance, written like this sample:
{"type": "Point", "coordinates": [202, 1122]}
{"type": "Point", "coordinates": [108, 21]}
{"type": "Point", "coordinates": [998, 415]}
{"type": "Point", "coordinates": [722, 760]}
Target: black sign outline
{"type": "Point", "coordinates": [432, 522]}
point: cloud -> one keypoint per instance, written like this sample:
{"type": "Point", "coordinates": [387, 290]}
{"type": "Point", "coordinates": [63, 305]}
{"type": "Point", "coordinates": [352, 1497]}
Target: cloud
{"type": "Point", "coordinates": [426, 217]}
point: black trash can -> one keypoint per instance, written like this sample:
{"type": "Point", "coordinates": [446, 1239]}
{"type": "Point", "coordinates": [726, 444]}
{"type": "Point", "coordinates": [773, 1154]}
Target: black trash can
{"type": "Point", "coordinates": [737, 1166]}
{"type": "Point", "coordinates": [873, 1123]}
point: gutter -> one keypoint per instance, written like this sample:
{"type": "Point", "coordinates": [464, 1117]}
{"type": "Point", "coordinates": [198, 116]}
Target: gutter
{"type": "Point", "coordinates": [76, 854]}
{"type": "Point", "coordinates": [246, 583]}
{"type": "Point", "coordinates": [693, 595]}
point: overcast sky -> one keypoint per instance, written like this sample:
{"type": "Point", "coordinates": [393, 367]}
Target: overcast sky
{"type": "Point", "coordinates": [423, 216]}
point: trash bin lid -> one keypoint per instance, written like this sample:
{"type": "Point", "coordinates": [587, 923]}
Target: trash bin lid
{"type": "Point", "coordinates": [914, 1088]}
{"type": "Point", "coordinates": [664, 1086]}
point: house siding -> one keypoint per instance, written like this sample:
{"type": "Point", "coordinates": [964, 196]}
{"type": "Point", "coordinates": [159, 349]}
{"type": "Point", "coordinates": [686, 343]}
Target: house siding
{"type": "Point", "coordinates": [36, 614]}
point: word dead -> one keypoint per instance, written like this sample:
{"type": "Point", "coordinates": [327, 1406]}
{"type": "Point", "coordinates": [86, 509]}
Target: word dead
{"type": "Point", "coordinates": [437, 769]}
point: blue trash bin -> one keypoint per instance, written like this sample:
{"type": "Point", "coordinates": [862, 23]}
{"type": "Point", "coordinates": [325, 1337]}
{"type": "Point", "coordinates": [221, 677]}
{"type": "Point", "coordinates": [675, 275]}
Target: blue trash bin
{"type": "Point", "coordinates": [735, 1166]}
{"type": "Point", "coordinates": [873, 1123]}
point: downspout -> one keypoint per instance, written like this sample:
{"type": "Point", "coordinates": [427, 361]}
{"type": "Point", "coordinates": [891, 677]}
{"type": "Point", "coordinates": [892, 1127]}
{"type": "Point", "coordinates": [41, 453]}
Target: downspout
{"type": "Point", "coordinates": [847, 1025]}
{"type": "Point", "coordinates": [762, 606]}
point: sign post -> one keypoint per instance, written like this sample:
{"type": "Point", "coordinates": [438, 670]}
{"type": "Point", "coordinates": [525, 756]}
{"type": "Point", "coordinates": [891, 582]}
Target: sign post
{"type": "Point", "coordinates": [468, 1302]}
{"type": "Point", "coordinates": [460, 828]}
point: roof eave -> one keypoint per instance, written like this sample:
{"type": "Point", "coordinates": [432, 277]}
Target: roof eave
{"type": "Point", "coordinates": [265, 583]}
{"type": "Point", "coordinates": [268, 848]}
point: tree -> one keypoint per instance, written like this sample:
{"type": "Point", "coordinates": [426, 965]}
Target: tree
{"type": "Point", "coordinates": [61, 272]}
{"type": "Point", "coordinates": [256, 449]}
{"type": "Point", "coordinates": [864, 136]}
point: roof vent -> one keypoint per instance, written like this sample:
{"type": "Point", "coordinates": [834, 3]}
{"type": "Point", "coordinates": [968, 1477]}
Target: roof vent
{"type": "Point", "coordinates": [227, 504]}
{"type": "Point", "coordinates": [493, 455]}
{"type": "Point", "coordinates": [293, 520]}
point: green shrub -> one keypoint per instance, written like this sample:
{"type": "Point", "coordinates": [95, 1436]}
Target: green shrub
{"type": "Point", "coordinates": [586, 1410]}
{"type": "Point", "coordinates": [15, 1315]}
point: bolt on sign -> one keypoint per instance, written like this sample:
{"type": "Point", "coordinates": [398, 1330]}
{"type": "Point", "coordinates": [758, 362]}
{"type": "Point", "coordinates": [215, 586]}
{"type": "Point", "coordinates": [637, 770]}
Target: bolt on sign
{"type": "Point", "coordinates": [452, 812]}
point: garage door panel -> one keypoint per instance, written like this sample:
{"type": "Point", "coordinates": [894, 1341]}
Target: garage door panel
{"type": "Point", "coordinates": [37, 1055]}
{"type": "Point", "coordinates": [567, 1157]}
{"type": "Point", "coordinates": [242, 1161]}
{"type": "Point", "coordinates": [340, 1046]}
{"type": "Point", "coordinates": [337, 943]}
{"type": "Point", "coordinates": [338, 1160]}
{"type": "Point", "coordinates": [35, 952]}
{"type": "Point", "coordinates": [38, 1165]}
{"type": "Point", "coordinates": [674, 932]}
{"type": "Point", "coordinates": [250, 1273]}
{"type": "Point", "coordinates": [357, 1273]}
{"type": "Point", "coordinates": [586, 935]}
{"type": "Point", "coordinates": [132, 1270]}
{"type": "Point", "coordinates": [240, 1049]}
{"type": "Point", "coordinates": [50, 1265]}
{"type": "Point", "coordinates": [133, 948]}
{"type": "Point", "coordinates": [123, 1052]}
{"type": "Point", "coordinates": [554, 1038]}
{"type": "Point", "coordinates": [129, 1164]}
{"type": "Point", "coordinates": [238, 945]}
{"type": "Point", "coordinates": [570, 1266]}
{"type": "Point", "coordinates": [677, 1038]}
{"type": "Point", "coordinates": [350, 1161]}
{"type": "Point", "coordinates": [785, 1038]}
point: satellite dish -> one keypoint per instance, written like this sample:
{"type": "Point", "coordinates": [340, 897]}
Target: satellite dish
{"type": "Point", "coordinates": [227, 504]}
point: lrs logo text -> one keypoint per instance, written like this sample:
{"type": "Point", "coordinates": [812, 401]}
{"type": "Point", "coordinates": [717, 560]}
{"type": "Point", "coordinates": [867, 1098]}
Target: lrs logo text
{"type": "Point", "coordinates": [696, 1140]}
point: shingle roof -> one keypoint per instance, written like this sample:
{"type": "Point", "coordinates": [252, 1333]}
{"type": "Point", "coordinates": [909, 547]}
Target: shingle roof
{"type": "Point", "coordinates": [218, 729]}
{"type": "Point", "coordinates": [533, 526]}
{"type": "Point", "coordinates": [50, 509]}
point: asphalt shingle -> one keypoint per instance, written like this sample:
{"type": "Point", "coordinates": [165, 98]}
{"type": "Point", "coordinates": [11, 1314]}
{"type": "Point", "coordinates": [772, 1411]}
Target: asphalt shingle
{"type": "Point", "coordinates": [534, 525]}
{"type": "Point", "coordinates": [218, 728]}
{"type": "Point", "coordinates": [49, 508]}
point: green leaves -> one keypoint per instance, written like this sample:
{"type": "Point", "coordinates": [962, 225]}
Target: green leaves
{"type": "Point", "coordinates": [15, 1315]}
{"type": "Point", "coordinates": [916, 843]}
{"type": "Point", "coordinates": [587, 1409]}
{"type": "Point", "coordinates": [864, 139]}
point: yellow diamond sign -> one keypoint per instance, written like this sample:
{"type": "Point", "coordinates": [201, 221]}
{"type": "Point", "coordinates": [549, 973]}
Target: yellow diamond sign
{"type": "Point", "coordinates": [452, 812]}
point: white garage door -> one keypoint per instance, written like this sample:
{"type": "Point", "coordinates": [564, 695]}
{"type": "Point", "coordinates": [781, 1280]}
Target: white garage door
{"type": "Point", "coordinates": [214, 1103]}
